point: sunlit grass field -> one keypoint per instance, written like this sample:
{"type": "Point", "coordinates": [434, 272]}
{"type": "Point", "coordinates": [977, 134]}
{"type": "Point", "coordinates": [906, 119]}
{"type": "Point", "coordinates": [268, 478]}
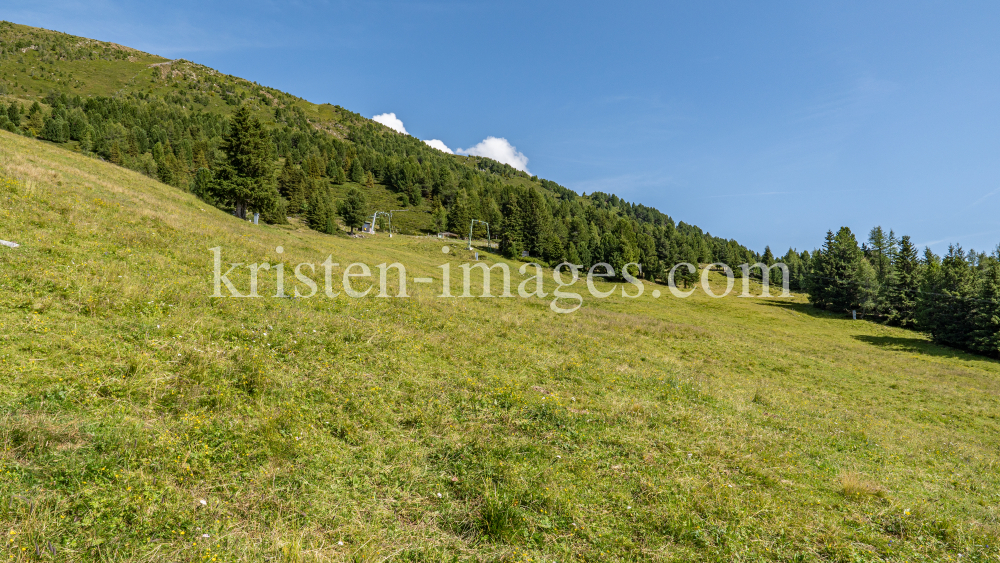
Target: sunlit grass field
{"type": "Point", "coordinates": [143, 420]}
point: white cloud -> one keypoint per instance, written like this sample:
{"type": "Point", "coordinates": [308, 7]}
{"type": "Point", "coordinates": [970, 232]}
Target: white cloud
{"type": "Point", "coordinates": [439, 145]}
{"type": "Point", "coordinates": [496, 148]}
{"type": "Point", "coordinates": [500, 150]}
{"type": "Point", "coordinates": [391, 121]}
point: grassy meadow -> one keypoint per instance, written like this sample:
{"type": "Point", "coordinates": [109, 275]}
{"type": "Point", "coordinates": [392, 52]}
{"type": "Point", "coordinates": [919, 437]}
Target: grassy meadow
{"type": "Point", "coordinates": [87, 67]}
{"type": "Point", "coordinates": [143, 420]}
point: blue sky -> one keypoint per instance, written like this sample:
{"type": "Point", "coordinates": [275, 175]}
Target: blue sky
{"type": "Point", "coordinates": [765, 123]}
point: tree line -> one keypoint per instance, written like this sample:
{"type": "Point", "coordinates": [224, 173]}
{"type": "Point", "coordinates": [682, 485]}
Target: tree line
{"type": "Point", "coordinates": [296, 165]}
{"type": "Point", "coordinates": [276, 163]}
{"type": "Point", "coordinates": [954, 298]}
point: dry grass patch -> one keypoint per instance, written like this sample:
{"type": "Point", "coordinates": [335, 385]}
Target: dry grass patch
{"type": "Point", "coordinates": [853, 485]}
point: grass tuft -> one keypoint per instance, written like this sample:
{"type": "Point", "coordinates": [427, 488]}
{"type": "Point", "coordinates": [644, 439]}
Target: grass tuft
{"type": "Point", "coordinates": [855, 486]}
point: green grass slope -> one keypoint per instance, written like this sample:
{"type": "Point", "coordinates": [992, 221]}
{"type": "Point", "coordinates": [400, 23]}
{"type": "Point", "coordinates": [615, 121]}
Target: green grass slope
{"type": "Point", "coordinates": [35, 62]}
{"type": "Point", "coordinates": [143, 420]}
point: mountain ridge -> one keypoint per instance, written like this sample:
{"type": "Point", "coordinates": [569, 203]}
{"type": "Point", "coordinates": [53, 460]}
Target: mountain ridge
{"type": "Point", "coordinates": [166, 118]}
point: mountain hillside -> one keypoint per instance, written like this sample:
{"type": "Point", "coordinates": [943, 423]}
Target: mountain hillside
{"type": "Point", "coordinates": [168, 120]}
{"type": "Point", "coordinates": [148, 414]}
{"type": "Point", "coordinates": [144, 420]}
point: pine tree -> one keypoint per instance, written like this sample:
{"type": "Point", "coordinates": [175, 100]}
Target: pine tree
{"type": "Point", "coordinates": [353, 209]}
{"type": "Point", "coordinates": [879, 252]}
{"type": "Point", "coordinates": [903, 283]}
{"type": "Point", "coordinates": [163, 171]}
{"type": "Point", "coordinates": [459, 217]}
{"type": "Point", "coordinates": [246, 179]}
{"type": "Point", "coordinates": [835, 282]}
{"type": "Point", "coordinates": [440, 218]}
{"type": "Point", "coordinates": [320, 214]}
{"type": "Point", "coordinates": [14, 113]}
{"type": "Point", "coordinates": [292, 186]}
{"type": "Point", "coordinates": [357, 171]}
{"type": "Point", "coordinates": [945, 301]}
{"type": "Point", "coordinates": [115, 153]}
{"type": "Point", "coordinates": [985, 333]}
{"type": "Point", "coordinates": [511, 226]}
{"type": "Point", "coordinates": [535, 223]}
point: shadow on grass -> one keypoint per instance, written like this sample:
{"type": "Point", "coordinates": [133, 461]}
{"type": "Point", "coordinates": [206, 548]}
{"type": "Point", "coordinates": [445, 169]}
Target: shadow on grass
{"type": "Point", "coordinates": [912, 345]}
{"type": "Point", "coordinates": [804, 308]}
{"type": "Point", "coordinates": [918, 346]}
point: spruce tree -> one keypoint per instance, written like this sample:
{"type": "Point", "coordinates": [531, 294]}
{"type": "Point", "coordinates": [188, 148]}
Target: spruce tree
{"type": "Point", "coordinates": [115, 153]}
{"type": "Point", "coordinates": [867, 297]}
{"type": "Point", "coordinates": [957, 277]}
{"type": "Point", "coordinates": [511, 226]}
{"type": "Point", "coordinates": [573, 256]}
{"type": "Point", "coordinates": [946, 298]}
{"type": "Point", "coordinates": [820, 276]}
{"type": "Point", "coordinates": [292, 186]}
{"type": "Point", "coordinates": [36, 120]}
{"type": "Point", "coordinates": [440, 218]}
{"type": "Point", "coordinates": [837, 281]}
{"type": "Point", "coordinates": [879, 252]}
{"type": "Point", "coordinates": [353, 209]}
{"type": "Point", "coordinates": [535, 225]}
{"type": "Point", "coordinates": [682, 275]}
{"type": "Point", "coordinates": [357, 171]}
{"type": "Point", "coordinates": [774, 276]}
{"type": "Point", "coordinates": [459, 216]}
{"type": "Point", "coordinates": [985, 333]}
{"type": "Point", "coordinates": [796, 269]}
{"type": "Point", "coordinates": [904, 281]}
{"type": "Point", "coordinates": [246, 180]}
{"type": "Point", "coordinates": [14, 113]}
{"type": "Point", "coordinates": [319, 217]}
{"type": "Point", "coordinates": [202, 187]}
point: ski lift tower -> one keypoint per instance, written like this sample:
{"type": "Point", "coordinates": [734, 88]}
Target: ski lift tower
{"type": "Point", "coordinates": [386, 214]}
{"type": "Point", "coordinates": [489, 244]}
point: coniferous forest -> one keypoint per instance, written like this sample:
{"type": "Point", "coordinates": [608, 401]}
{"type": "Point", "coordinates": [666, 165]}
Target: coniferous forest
{"type": "Point", "coordinates": [208, 356]}
{"type": "Point", "coordinates": [954, 298]}
{"type": "Point", "coordinates": [249, 149]}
